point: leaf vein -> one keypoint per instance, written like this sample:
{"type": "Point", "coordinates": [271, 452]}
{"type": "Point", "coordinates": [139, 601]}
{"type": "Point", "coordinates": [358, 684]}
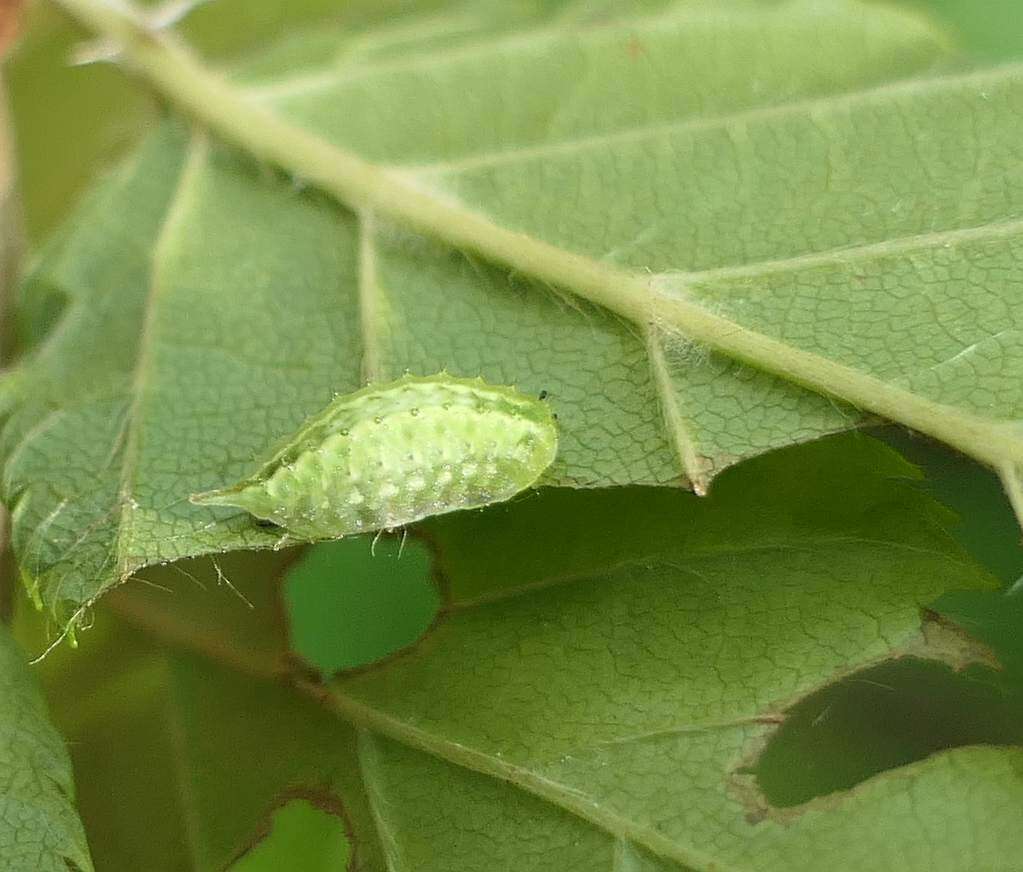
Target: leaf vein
{"type": "Point", "coordinates": [739, 119]}
{"type": "Point", "coordinates": [694, 466]}
{"type": "Point", "coordinates": [131, 432]}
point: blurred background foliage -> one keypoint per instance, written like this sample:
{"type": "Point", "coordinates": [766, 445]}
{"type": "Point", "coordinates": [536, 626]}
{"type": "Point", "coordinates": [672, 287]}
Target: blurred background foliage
{"type": "Point", "coordinates": [337, 606]}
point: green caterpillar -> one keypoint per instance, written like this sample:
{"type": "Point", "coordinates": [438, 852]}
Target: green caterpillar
{"type": "Point", "coordinates": [394, 453]}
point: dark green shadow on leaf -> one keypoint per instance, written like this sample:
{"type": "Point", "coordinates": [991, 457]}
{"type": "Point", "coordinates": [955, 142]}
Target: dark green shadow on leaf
{"type": "Point", "coordinates": [984, 523]}
{"type": "Point", "coordinates": [881, 718]}
{"type": "Point", "coordinates": [350, 603]}
{"type": "Point", "coordinates": [839, 486]}
{"type": "Point", "coordinates": [990, 29]}
{"type": "Point", "coordinates": [985, 526]}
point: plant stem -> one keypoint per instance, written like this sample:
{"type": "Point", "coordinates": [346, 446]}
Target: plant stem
{"type": "Point", "coordinates": [363, 186]}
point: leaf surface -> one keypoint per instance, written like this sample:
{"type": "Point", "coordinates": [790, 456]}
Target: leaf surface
{"type": "Point", "coordinates": [603, 709]}
{"type": "Point", "coordinates": [185, 741]}
{"type": "Point", "coordinates": [39, 828]}
{"type": "Point", "coordinates": [212, 306]}
{"type": "Point", "coordinates": [637, 696]}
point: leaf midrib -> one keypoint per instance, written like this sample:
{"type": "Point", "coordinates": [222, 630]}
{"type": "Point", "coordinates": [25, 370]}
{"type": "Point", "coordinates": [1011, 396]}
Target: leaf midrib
{"type": "Point", "coordinates": [561, 795]}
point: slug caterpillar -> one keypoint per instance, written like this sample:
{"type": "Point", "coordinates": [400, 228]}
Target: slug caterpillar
{"type": "Point", "coordinates": [391, 454]}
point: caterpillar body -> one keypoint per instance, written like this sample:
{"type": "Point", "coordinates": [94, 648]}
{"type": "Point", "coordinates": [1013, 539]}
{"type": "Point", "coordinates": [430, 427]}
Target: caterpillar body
{"type": "Point", "coordinates": [394, 453]}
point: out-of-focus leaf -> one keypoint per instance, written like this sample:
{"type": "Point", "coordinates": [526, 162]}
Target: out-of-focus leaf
{"type": "Point", "coordinates": [992, 29]}
{"type": "Point", "coordinates": [53, 104]}
{"type": "Point", "coordinates": [39, 828]}
{"type": "Point", "coordinates": [186, 740]}
{"type": "Point", "coordinates": [983, 521]}
{"type": "Point", "coordinates": [353, 602]}
{"type": "Point", "coordinates": [11, 231]}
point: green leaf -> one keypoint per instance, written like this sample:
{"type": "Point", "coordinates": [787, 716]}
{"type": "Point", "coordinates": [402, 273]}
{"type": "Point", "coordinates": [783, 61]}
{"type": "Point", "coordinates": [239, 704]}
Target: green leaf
{"type": "Point", "coordinates": [639, 697]}
{"type": "Point", "coordinates": [620, 707]}
{"type": "Point", "coordinates": [39, 828]}
{"type": "Point", "coordinates": [186, 743]}
{"type": "Point", "coordinates": [213, 306]}
{"type": "Point", "coordinates": [990, 30]}
{"type": "Point", "coordinates": [786, 496]}
{"type": "Point", "coordinates": [984, 522]}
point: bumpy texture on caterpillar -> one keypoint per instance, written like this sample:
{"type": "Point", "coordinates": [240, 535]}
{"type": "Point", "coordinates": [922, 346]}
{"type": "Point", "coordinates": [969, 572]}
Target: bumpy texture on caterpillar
{"type": "Point", "coordinates": [394, 453]}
